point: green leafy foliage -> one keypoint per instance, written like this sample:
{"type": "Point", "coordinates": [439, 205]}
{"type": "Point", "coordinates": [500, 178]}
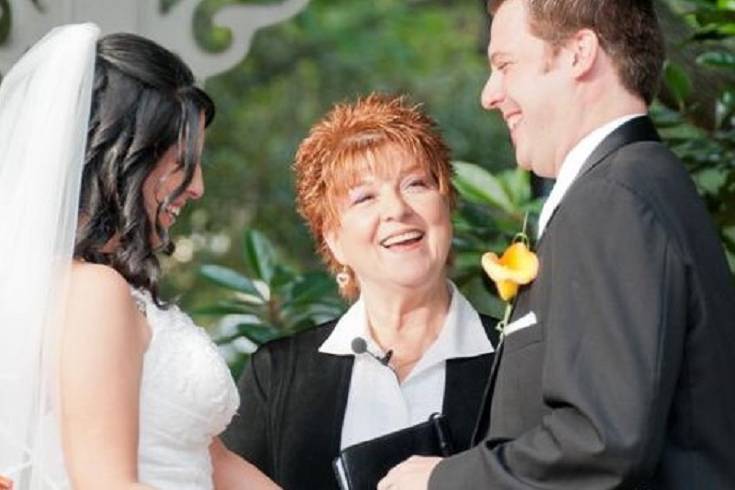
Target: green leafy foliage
{"type": "Point", "coordinates": [334, 50]}
{"type": "Point", "coordinates": [709, 153]}
{"type": "Point", "coordinates": [264, 299]}
{"type": "Point", "coordinates": [718, 58]}
{"type": "Point", "coordinates": [492, 208]}
{"type": "Point", "coordinates": [713, 19]}
{"type": "Point", "coordinates": [435, 51]}
{"type": "Point", "coordinates": [678, 83]}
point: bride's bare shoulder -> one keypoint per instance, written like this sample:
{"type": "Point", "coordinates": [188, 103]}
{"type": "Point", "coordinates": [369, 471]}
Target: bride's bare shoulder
{"type": "Point", "coordinates": [98, 287]}
{"type": "Point", "coordinates": [101, 308]}
{"type": "Point", "coordinates": [97, 279]}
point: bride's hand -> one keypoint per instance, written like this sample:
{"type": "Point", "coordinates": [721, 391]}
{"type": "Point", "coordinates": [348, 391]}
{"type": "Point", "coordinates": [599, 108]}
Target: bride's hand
{"type": "Point", "coordinates": [6, 483]}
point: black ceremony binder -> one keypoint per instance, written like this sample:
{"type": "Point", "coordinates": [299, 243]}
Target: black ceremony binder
{"type": "Point", "coordinates": [361, 467]}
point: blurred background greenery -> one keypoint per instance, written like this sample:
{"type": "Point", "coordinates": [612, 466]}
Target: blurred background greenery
{"type": "Point", "coordinates": [335, 50]}
{"type": "Point", "coordinates": [245, 264]}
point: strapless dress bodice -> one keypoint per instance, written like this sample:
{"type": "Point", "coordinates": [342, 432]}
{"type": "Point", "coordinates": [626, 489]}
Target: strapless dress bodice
{"type": "Point", "coordinates": [187, 397]}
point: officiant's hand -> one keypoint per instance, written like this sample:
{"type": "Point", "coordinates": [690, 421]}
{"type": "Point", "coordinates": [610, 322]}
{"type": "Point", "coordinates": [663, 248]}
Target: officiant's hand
{"type": "Point", "coordinates": [412, 474]}
{"type": "Point", "coordinates": [6, 483]}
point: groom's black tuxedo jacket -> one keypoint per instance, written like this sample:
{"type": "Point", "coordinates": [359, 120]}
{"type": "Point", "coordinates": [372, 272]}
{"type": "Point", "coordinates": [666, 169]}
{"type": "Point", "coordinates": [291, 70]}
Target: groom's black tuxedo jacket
{"type": "Point", "coordinates": [293, 400]}
{"type": "Point", "coordinates": [626, 379]}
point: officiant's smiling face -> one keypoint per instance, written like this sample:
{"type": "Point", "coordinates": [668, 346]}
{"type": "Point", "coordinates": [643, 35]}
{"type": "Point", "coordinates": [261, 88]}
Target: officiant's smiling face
{"type": "Point", "coordinates": [373, 182]}
{"type": "Point", "coordinates": [394, 223]}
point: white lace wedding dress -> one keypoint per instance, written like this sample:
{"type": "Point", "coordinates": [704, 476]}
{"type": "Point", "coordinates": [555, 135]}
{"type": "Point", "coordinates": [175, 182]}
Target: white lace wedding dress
{"type": "Point", "coordinates": [187, 397]}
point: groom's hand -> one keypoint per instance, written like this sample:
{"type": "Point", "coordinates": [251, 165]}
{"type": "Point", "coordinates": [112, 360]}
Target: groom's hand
{"type": "Point", "coordinates": [412, 474]}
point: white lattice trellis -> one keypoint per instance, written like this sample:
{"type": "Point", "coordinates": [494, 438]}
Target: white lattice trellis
{"type": "Point", "coordinates": [173, 29]}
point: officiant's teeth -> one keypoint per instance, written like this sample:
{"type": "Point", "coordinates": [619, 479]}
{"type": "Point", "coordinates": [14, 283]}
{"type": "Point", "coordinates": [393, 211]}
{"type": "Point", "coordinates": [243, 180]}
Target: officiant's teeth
{"type": "Point", "coordinates": [512, 122]}
{"type": "Point", "coordinates": [402, 238]}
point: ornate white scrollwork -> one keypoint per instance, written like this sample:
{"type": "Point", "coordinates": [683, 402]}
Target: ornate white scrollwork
{"type": "Point", "coordinates": [31, 19]}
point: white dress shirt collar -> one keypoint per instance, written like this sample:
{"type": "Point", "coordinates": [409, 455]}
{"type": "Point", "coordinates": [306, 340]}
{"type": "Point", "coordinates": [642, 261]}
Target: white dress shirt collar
{"type": "Point", "coordinates": [572, 165]}
{"type": "Point", "coordinates": [377, 403]}
{"type": "Point", "coordinates": [462, 334]}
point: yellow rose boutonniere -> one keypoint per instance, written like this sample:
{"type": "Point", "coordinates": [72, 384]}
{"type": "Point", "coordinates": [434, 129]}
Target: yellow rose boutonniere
{"type": "Point", "coordinates": [517, 266]}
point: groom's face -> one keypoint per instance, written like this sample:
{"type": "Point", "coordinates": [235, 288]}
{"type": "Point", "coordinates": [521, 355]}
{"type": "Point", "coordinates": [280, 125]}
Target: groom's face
{"type": "Point", "coordinates": [527, 88]}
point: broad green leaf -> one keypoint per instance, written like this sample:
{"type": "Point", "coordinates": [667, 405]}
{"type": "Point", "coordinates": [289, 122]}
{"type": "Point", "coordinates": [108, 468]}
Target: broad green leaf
{"type": "Point", "coordinates": [705, 5]}
{"type": "Point", "coordinates": [255, 332]}
{"type": "Point", "coordinates": [283, 279]}
{"type": "Point", "coordinates": [710, 180]}
{"type": "Point", "coordinates": [665, 117]}
{"type": "Point", "coordinates": [681, 132]}
{"type": "Point", "coordinates": [482, 296]}
{"type": "Point", "coordinates": [712, 33]}
{"type": "Point", "coordinates": [258, 333]}
{"type": "Point", "coordinates": [260, 255]}
{"type": "Point", "coordinates": [678, 82]}
{"type": "Point", "coordinates": [473, 214]}
{"type": "Point", "coordinates": [719, 16]}
{"type": "Point", "coordinates": [226, 308]}
{"type": "Point", "coordinates": [312, 288]}
{"type": "Point", "coordinates": [306, 315]}
{"type": "Point", "coordinates": [476, 184]}
{"type": "Point", "coordinates": [230, 279]}
{"type": "Point", "coordinates": [517, 183]}
{"type": "Point", "coordinates": [722, 59]}
{"type": "Point", "coordinates": [468, 259]}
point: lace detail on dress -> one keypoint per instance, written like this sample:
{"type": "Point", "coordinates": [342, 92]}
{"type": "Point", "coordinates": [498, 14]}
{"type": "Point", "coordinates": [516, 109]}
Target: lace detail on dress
{"type": "Point", "coordinates": [140, 304]}
{"type": "Point", "coordinates": [187, 397]}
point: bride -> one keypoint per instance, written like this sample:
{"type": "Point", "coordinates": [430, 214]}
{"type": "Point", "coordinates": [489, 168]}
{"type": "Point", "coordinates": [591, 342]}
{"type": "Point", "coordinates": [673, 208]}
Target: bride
{"type": "Point", "coordinates": [104, 385]}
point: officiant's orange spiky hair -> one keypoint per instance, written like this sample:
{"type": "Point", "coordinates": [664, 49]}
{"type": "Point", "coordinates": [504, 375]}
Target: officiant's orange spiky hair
{"type": "Point", "coordinates": [363, 137]}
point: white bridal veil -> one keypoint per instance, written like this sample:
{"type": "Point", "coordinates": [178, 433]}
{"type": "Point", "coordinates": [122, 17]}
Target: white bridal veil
{"type": "Point", "coordinates": [44, 112]}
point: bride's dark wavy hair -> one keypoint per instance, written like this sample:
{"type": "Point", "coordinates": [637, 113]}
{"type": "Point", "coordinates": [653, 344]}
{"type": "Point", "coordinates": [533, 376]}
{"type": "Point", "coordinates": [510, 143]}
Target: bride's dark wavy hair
{"type": "Point", "coordinates": [144, 101]}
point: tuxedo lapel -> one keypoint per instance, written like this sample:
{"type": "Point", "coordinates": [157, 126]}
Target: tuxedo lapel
{"type": "Point", "coordinates": [635, 130]}
{"type": "Point", "coordinates": [483, 415]}
{"type": "Point", "coordinates": [521, 306]}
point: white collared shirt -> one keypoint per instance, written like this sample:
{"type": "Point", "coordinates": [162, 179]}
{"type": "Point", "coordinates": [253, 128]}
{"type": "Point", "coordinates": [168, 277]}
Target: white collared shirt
{"type": "Point", "coordinates": [573, 163]}
{"type": "Point", "coordinates": [377, 404]}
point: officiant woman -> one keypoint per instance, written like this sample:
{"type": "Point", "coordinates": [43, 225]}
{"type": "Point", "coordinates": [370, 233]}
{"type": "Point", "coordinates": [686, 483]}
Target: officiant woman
{"type": "Point", "coordinates": [373, 184]}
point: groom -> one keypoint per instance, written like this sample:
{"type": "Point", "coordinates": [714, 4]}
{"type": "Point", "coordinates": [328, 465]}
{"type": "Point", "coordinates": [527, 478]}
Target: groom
{"type": "Point", "coordinates": [617, 368]}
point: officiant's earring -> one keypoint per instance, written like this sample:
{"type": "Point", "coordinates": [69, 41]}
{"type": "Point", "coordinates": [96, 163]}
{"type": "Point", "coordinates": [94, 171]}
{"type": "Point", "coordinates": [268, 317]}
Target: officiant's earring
{"type": "Point", "coordinates": [343, 277]}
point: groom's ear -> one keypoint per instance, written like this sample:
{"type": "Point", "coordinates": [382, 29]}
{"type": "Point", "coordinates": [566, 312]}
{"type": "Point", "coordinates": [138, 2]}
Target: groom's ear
{"type": "Point", "coordinates": [585, 50]}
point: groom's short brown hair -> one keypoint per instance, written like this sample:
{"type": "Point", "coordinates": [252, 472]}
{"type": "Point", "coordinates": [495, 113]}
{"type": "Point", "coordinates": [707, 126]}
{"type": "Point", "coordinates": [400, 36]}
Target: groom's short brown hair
{"type": "Point", "coordinates": [628, 31]}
